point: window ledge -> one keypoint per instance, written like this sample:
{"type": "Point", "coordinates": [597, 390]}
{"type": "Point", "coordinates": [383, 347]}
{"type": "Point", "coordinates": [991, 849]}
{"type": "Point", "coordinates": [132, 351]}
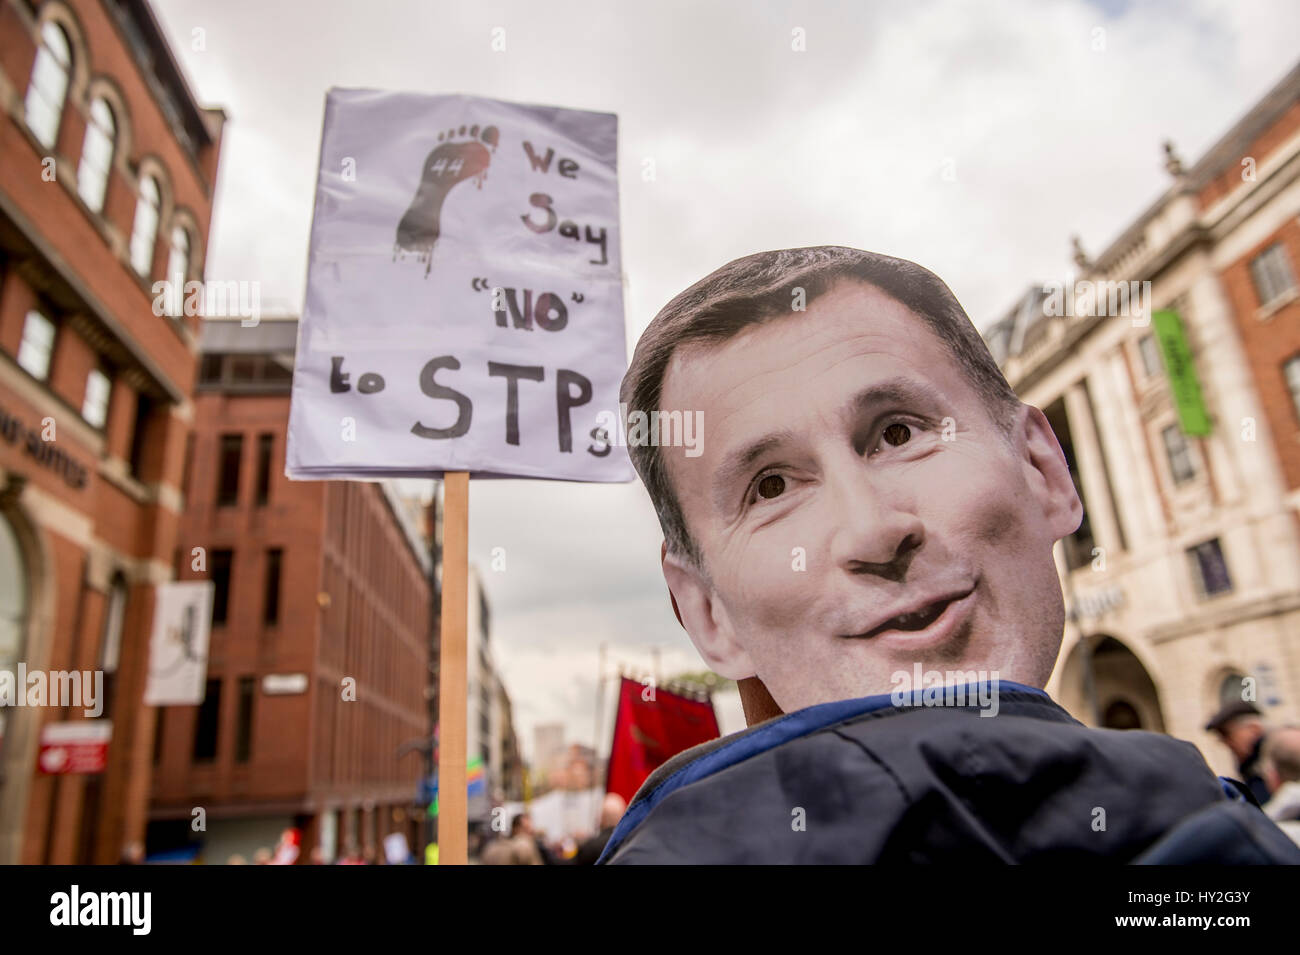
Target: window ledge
{"type": "Point", "coordinates": [114, 470]}
{"type": "Point", "coordinates": [1266, 312]}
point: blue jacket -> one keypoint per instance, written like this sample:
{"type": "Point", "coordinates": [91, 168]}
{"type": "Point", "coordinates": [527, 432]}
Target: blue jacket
{"type": "Point", "coordinates": [865, 781]}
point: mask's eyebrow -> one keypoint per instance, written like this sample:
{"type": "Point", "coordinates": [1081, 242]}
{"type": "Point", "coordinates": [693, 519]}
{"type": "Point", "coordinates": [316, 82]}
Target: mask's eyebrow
{"type": "Point", "coordinates": [893, 391]}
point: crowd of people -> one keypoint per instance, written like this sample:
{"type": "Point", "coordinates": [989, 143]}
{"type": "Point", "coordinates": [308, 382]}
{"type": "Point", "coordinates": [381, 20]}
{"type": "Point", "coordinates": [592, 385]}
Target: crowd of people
{"type": "Point", "coordinates": [1268, 761]}
{"type": "Point", "coordinates": [525, 845]}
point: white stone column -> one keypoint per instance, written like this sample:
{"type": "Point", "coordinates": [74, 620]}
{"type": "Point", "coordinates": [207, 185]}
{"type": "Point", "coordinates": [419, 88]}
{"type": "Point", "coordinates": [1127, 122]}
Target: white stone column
{"type": "Point", "coordinates": [1128, 452]}
{"type": "Point", "coordinates": [1096, 488]}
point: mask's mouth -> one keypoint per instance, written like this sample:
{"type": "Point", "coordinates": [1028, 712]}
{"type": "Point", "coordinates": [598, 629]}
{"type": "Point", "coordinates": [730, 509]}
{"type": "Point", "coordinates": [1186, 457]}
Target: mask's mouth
{"type": "Point", "coordinates": [916, 619]}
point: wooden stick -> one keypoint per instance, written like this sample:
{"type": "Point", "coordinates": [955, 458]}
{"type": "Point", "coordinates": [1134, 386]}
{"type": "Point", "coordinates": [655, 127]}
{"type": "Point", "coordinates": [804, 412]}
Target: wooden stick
{"type": "Point", "coordinates": [453, 834]}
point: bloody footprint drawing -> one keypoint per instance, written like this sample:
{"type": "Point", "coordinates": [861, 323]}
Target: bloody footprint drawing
{"type": "Point", "coordinates": [460, 154]}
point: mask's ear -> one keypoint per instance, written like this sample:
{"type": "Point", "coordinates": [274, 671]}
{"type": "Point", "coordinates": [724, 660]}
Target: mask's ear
{"type": "Point", "coordinates": [1049, 474]}
{"type": "Point", "coordinates": [704, 618]}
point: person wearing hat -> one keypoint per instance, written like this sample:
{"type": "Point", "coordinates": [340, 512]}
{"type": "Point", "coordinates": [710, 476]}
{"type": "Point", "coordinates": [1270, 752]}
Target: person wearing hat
{"type": "Point", "coordinates": [1240, 728]}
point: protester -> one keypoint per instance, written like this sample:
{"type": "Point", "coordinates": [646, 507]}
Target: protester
{"type": "Point", "coordinates": [351, 856]}
{"type": "Point", "coordinates": [132, 854]}
{"type": "Point", "coordinates": [521, 847]}
{"type": "Point", "coordinates": [525, 843]}
{"type": "Point", "coordinates": [872, 516]}
{"type": "Point", "coordinates": [1280, 759]}
{"type": "Point", "coordinates": [611, 811]}
{"type": "Point", "coordinates": [497, 851]}
{"type": "Point", "coordinates": [288, 848]}
{"type": "Point", "coordinates": [1239, 727]}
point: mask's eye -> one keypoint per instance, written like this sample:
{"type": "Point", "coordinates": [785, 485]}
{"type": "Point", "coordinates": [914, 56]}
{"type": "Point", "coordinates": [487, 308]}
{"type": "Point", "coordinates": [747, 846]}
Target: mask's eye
{"type": "Point", "coordinates": [896, 434]}
{"type": "Point", "coordinates": [771, 486]}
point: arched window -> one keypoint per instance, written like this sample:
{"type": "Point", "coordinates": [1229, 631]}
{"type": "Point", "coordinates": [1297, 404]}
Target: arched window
{"type": "Point", "coordinates": [13, 605]}
{"type": "Point", "coordinates": [48, 88]}
{"type": "Point", "coordinates": [178, 269]}
{"type": "Point", "coordinates": [1121, 715]}
{"type": "Point", "coordinates": [97, 154]}
{"type": "Point", "coordinates": [145, 230]}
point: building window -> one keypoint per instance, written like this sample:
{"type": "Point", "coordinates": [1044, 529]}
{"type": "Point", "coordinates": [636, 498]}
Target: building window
{"type": "Point", "coordinates": [158, 734]}
{"type": "Point", "coordinates": [188, 471]}
{"type": "Point", "coordinates": [207, 722]}
{"type": "Point", "coordinates": [1271, 273]}
{"type": "Point", "coordinates": [221, 564]}
{"type": "Point", "coordinates": [95, 406]}
{"type": "Point", "coordinates": [1209, 568]}
{"type": "Point", "coordinates": [145, 230]}
{"type": "Point", "coordinates": [232, 450]}
{"type": "Point", "coordinates": [260, 373]}
{"type": "Point", "coordinates": [140, 444]}
{"type": "Point", "coordinates": [265, 445]}
{"type": "Point", "coordinates": [1291, 370]}
{"type": "Point", "coordinates": [110, 653]}
{"type": "Point", "coordinates": [178, 271]}
{"type": "Point", "coordinates": [1180, 455]}
{"type": "Point", "coordinates": [271, 604]}
{"type": "Point", "coordinates": [13, 606]}
{"type": "Point", "coordinates": [37, 345]}
{"type": "Point", "coordinates": [48, 88]}
{"type": "Point", "coordinates": [1150, 352]}
{"type": "Point", "coordinates": [96, 155]}
{"type": "Point", "coordinates": [244, 726]}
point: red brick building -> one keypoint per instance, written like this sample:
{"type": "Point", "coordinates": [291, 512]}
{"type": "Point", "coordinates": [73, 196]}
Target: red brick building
{"type": "Point", "coordinates": [107, 166]}
{"type": "Point", "coordinates": [319, 652]}
{"type": "Point", "coordinates": [1253, 183]}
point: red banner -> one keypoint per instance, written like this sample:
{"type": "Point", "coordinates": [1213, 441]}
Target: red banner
{"type": "Point", "coordinates": [652, 726]}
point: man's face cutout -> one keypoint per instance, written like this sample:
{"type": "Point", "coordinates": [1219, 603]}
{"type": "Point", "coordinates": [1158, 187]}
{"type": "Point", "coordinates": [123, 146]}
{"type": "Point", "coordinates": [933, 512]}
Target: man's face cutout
{"type": "Point", "coordinates": [851, 507]}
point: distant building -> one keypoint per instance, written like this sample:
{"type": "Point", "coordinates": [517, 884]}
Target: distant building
{"type": "Point", "coordinates": [548, 748]}
{"type": "Point", "coordinates": [319, 656]}
{"type": "Point", "coordinates": [490, 720]}
{"type": "Point", "coordinates": [107, 170]}
{"type": "Point", "coordinates": [1183, 582]}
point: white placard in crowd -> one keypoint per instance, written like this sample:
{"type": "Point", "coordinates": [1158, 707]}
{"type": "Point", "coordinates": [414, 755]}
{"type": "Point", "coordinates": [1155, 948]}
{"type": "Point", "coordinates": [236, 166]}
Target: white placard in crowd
{"type": "Point", "coordinates": [178, 645]}
{"type": "Point", "coordinates": [464, 307]}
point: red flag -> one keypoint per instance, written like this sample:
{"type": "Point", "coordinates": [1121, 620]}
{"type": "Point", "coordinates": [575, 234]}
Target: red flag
{"type": "Point", "coordinates": [653, 725]}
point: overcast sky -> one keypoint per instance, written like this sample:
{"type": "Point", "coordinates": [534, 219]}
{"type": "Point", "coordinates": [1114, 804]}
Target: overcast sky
{"type": "Point", "coordinates": [974, 138]}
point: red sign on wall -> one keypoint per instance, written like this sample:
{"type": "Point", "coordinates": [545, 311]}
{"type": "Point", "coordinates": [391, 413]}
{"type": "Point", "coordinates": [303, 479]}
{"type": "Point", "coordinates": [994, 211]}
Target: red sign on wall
{"type": "Point", "coordinates": [75, 746]}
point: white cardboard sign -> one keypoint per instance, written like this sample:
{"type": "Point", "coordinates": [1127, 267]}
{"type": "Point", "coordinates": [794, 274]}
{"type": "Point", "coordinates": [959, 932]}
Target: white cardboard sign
{"type": "Point", "coordinates": [178, 644]}
{"type": "Point", "coordinates": [464, 307]}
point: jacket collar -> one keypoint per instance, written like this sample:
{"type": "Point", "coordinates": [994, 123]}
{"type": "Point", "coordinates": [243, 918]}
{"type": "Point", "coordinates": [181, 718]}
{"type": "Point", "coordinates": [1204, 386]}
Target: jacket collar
{"type": "Point", "coordinates": [719, 755]}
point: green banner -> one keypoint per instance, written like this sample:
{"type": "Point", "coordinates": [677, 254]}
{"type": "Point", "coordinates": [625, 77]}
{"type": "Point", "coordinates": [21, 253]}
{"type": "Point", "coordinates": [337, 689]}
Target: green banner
{"type": "Point", "coordinates": [1182, 372]}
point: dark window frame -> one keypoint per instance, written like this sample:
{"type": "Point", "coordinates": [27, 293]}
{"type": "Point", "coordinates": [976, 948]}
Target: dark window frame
{"type": "Point", "coordinates": [273, 579]}
{"type": "Point", "coordinates": [265, 452]}
{"type": "Point", "coordinates": [221, 572]}
{"type": "Point", "coordinates": [207, 724]}
{"type": "Point", "coordinates": [246, 712]}
{"type": "Point", "coordinates": [228, 491]}
{"type": "Point", "coordinates": [1265, 266]}
{"type": "Point", "coordinates": [1205, 587]}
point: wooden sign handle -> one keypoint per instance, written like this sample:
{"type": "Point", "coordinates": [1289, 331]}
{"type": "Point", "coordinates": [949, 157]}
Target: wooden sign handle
{"type": "Point", "coordinates": [453, 831]}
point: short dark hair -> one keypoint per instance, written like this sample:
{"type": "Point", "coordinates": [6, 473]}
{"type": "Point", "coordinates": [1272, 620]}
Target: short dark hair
{"type": "Point", "coordinates": [757, 288]}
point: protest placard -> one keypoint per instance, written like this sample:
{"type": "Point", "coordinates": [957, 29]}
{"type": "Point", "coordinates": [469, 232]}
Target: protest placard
{"type": "Point", "coordinates": [464, 306]}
